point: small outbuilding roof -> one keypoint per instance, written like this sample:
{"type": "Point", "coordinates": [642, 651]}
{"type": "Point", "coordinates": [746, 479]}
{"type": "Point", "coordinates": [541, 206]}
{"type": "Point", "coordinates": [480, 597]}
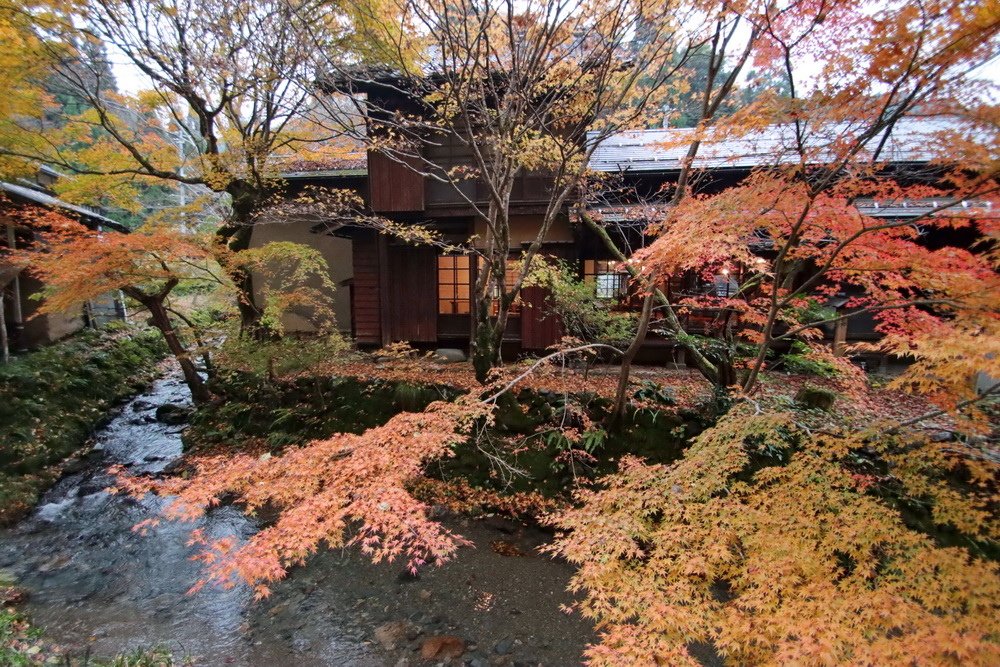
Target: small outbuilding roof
{"type": "Point", "coordinates": [33, 196]}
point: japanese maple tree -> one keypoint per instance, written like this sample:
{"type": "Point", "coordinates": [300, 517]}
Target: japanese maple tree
{"type": "Point", "coordinates": [788, 238]}
{"type": "Point", "coordinates": [783, 535]}
{"type": "Point", "coordinates": [230, 101]}
{"type": "Point", "coordinates": [77, 264]}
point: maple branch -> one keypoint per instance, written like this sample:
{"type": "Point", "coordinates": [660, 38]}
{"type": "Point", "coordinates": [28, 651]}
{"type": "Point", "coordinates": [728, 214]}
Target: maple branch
{"type": "Point", "coordinates": [862, 311]}
{"type": "Point", "coordinates": [707, 368]}
{"type": "Point", "coordinates": [542, 360]}
{"type": "Point", "coordinates": [986, 393]}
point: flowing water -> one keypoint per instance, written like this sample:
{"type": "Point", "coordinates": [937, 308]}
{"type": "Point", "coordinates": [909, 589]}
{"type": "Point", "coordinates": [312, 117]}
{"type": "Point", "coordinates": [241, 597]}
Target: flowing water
{"type": "Point", "coordinates": [95, 585]}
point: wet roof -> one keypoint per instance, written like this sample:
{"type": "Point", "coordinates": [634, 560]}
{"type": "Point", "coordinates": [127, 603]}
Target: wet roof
{"type": "Point", "coordinates": [43, 199]}
{"type": "Point", "coordinates": [663, 149]}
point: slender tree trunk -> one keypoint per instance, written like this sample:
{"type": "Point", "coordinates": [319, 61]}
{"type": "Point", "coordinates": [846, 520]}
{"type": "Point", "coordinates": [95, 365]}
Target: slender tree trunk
{"type": "Point", "coordinates": [16, 316]}
{"type": "Point", "coordinates": [4, 348]}
{"type": "Point", "coordinates": [236, 235]}
{"type": "Point", "coordinates": [488, 331]}
{"type": "Point", "coordinates": [618, 413]}
{"type": "Point", "coordinates": [702, 363]}
{"type": "Point", "coordinates": [485, 341]}
{"type": "Point", "coordinates": [161, 320]}
{"type": "Point", "coordinates": [206, 357]}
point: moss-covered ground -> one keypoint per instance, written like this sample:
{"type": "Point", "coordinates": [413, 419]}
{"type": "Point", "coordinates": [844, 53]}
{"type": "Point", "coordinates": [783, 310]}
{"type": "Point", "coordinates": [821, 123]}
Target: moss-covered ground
{"type": "Point", "coordinates": [51, 400]}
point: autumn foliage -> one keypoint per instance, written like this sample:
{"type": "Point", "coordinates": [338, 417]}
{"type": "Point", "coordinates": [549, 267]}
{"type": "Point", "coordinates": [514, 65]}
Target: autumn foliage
{"type": "Point", "coordinates": [779, 545]}
{"type": "Point", "coordinates": [348, 489]}
{"type": "Point", "coordinates": [77, 263]}
{"type": "Point", "coordinates": [782, 535]}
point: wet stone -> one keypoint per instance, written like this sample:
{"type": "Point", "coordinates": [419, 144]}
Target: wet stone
{"type": "Point", "coordinates": [442, 647]}
{"type": "Point", "coordinates": [13, 595]}
{"type": "Point", "coordinates": [172, 414]}
{"type": "Point", "coordinates": [448, 355]}
{"type": "Point", "coordinates": [75, 466]}
{"type": "Point", "coordinates": [394, 634]}
{"type": "Point", "coordinates": [504, 646]}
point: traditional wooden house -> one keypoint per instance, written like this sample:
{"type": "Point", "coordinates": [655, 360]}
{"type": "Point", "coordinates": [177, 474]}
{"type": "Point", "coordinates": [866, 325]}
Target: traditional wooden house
{"type": "Point", "coordinates": [647, 162]}
{"type": "Point", "coordinates": [401, 292]}
{"type": "Point", "coordinates": [23, 325]}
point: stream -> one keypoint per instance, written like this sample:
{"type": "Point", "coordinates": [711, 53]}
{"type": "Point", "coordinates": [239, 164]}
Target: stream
{"type": "Point", "coordinates": [97, 586]}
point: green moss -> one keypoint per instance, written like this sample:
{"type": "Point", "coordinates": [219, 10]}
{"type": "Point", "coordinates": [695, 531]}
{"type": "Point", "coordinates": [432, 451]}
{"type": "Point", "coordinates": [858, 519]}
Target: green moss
{"type": "Point", "coordinates": [292, 412]}
{"type": "Point", "coordinates": [51, 401]}
{"type": "Point", "coordinates": [511, 417]}
{"type": "Point", "coordinates": [23, 645]}
{"type": "Point", "coordinates": [409, 397]}
{"type": "Point", "coordinates": [524, 437]}
{"type": "Point", "coordinates": [550, 463]}
{"type": "Point", "coordinates": [19, 642]}
{"type": "Point", "coordinates": [812, 397]}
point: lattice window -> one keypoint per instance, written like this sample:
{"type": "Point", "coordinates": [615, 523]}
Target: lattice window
{"type": "Point", "coordinates": [608, 282]}
{"type": "Point", "coordinates": [724, 285]}
{"type": "Point", "coordinates": [454, 284]}
{"type": "Point", "coordinates": [510, 277]}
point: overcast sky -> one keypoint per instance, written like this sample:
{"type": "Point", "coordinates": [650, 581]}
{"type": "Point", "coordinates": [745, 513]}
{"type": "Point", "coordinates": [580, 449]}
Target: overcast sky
{"type": "Point", "coordinates": [131, 80]}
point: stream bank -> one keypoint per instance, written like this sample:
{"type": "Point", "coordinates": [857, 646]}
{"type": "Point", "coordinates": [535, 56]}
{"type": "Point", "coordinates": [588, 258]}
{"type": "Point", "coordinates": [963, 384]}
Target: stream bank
{"type": "Point", "coordinates": [95, 585]}
{"type": "Point", "coordinates": [53, 399]}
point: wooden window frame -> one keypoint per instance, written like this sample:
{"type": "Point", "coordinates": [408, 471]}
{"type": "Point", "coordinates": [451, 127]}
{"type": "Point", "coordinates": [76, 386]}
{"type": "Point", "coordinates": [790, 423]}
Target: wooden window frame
{"type": "Point", "coordinates": [511, 276]}
{"type": "Point", "coordinates": [454, 272]}
{"type": "Point", "coordinates": [595, 269]}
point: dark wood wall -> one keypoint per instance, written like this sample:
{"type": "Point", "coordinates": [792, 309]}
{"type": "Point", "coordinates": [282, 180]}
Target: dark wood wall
{"type": "Point", "coordinates": [395, 298]}
{"type": "Point", "coordinates": [395, 291]}
{"type": "Point", "coordinates": [411, 291]}
{"type": "Point", "coordinates": [539, 328]}
{"type": "Point", "coordinates": [366, 302]}
{"type": "Point", "coordinates": [393, 187]}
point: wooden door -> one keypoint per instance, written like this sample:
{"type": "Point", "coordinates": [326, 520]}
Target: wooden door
{"type": "Point", "coordinates": [411, 292]}
{"type": "Point", "coordinates": [539, 328]}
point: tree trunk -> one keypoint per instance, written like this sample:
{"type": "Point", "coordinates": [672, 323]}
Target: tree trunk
{"type": "Point", "coordinates": [236, 234]}
{"type": "Point", "coordinates": [727, 374]}
{"type": "Point", "coordinates": [703, 364]}
{"type": "Point", "coordinates": [485, 347]}
{"type": "Point", "coordinates": [206, 357]}
{"type": "Point", "coordinates": [161, 320]}
{"type": "Point", "coordinates": [4, 348]}
{"type": "Point", "coordinates": [618, 413]}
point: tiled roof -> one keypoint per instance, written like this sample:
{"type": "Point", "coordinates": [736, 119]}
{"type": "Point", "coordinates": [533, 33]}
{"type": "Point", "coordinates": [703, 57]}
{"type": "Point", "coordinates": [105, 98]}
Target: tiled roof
{"type": "Point", "coordinates": [911, 208]}
{"type": "Point", "coordinates": [338, 156]}
{"type": "Point", "coordinates": [663, 150]}
{"type": "Point", "coordinates": [327, 167]}
{"type": "Point", "coordinates": [36, 197]}
{"type": "Point", "coordinates": [641, 214]}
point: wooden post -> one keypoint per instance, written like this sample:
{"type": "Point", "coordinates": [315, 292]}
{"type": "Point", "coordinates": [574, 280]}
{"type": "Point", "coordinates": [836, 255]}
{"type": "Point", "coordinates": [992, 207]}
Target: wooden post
{"type": "Point", "coordinates": [17, 318]}
{"type": "Point", "coordinates": [840, 337]}
{"type": "Point", "coordinates": [385, 317]}
{"type": "Point", "coordinates": [4, 350]}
